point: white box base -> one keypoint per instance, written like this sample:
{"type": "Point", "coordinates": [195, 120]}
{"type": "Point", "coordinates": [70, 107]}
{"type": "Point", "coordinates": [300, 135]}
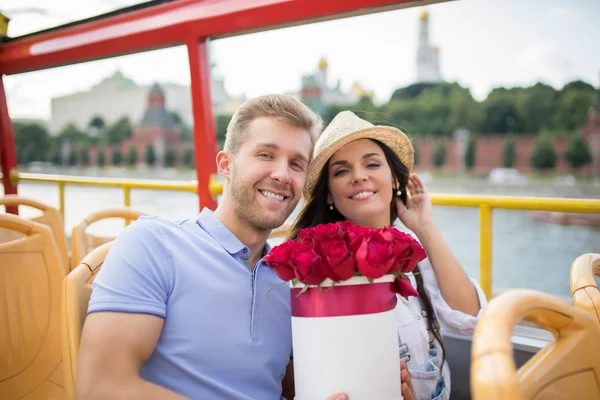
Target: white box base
{"type": "Point", "coordinates": [357, 355]}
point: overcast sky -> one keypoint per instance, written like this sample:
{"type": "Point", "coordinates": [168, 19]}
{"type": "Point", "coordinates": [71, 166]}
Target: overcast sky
{"type": "Point", "coordinates": [483, 44]}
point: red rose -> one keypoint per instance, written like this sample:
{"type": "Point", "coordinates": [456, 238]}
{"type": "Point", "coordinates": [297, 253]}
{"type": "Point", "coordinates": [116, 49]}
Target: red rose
{"type": "Point", "coordinates": [404, 288]}
{"type": "Point", "coordinates": [307, 264]}
{"type": "Point", "coordinates": [407, 251]}
{"type": "Point", "coordinates": [279, 259]}
{"type": "Point", "coordinates": [374, 254]}
{"type": "Point", "coordinates": [353, 232]}
{"type": "Point", "coordinates": [328, 232]}
{"type": "Point", "coordinates": [338, 262]}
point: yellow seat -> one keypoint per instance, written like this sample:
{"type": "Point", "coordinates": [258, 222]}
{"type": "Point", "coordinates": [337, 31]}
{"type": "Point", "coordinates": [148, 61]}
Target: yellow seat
{"type": "Point", "coordinates": [50, 217]}
{"type": "Point", "coordinates": [76, 293]}
{"type": "Point", "coordinates": [586, 294]}
{"type": "Point", "coordinates": [31, 274]}
{"type": "Point", "coordinates": [82, 242]}
{"type": "Point", "coordinates": [568, 367]}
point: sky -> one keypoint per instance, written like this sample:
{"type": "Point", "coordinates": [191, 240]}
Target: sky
{"type": "Point", "coordinates": [483, 44]}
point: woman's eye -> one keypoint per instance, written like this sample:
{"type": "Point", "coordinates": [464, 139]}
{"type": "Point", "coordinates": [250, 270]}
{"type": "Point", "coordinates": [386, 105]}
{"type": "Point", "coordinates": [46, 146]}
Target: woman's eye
{"type": "Point", "coordinates": [340, 172]}
{"type": "Point", "coordinates": [373, 165]}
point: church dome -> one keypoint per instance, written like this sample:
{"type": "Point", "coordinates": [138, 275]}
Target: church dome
{"type": "Point", "coordinates": [322, 63]}
{"type": "Point", "coordinates": [424, 16]}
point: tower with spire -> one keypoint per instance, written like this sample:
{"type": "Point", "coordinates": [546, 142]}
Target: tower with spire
{"type": "Point", "coordinates": [428, 66]}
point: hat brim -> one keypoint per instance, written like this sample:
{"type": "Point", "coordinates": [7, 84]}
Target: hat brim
{"type": "Point", "coordinates": [394, 138]}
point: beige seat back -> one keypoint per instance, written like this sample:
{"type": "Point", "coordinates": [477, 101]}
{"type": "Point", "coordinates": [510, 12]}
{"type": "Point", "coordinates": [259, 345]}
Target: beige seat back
{"type": "Point", "coordinates": [76, 293]}
{"type": "Point", "coordinates": [31, 274]}
{"type": "Point", "coordinates": [83, 242]}
{"type": "Point", "coordinates": [50, 217]}
{"type": "Point", "coordinates": [586, 294]}
{"type": "Point", "coordinates": [568, 367]}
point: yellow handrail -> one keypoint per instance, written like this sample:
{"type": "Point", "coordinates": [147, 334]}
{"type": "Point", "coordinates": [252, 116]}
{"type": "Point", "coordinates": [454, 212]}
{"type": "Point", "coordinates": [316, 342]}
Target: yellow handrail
{"type": "Point", "coordinates": [486, 205]}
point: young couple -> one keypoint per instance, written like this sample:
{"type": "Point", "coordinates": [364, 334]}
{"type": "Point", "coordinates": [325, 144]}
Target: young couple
{"type": "Point", "coordinates": [180, 309]}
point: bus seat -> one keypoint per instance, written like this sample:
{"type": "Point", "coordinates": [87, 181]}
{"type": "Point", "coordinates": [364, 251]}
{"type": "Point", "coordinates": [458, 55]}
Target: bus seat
{"type": "Point", "coordinates": [76, 293]}
{"type": "Point", "coordinates": [31, 273]}
{"type": "Point", "coordinates": [584, 288]}
{"type": "Point", "coordinates": [568, 367]}
{"type": "Point", "coordinates": [50, 217]}
{"type": "Point", "coordinates": [83, 242]}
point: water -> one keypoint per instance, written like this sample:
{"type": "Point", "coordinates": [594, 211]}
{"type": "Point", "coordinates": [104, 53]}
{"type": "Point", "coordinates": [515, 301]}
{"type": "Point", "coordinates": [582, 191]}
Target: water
{"type": "Point", "coordinates": [526, 253]}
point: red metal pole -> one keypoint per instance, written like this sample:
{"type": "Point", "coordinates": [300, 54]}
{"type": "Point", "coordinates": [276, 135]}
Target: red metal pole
{"type": "Point", "coordinates": [8, 157]}
{"type": "Point", "coordinates": [205, 140]}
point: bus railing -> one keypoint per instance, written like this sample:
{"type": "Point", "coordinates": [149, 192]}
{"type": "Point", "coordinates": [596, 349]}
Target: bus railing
{"type": "Point", "coordinates": [485, 204]}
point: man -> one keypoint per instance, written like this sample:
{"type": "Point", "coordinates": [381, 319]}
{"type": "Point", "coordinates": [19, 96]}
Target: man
{"type": "Point", "coordinates": [180, 309]}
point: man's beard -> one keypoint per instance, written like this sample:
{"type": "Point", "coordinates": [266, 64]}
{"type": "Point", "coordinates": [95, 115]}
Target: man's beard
{"type": "Point", "coordinates": [248, 209]}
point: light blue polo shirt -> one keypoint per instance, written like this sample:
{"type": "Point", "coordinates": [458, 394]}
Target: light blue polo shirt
{"type": "Point", "coordinates": [224, 337]}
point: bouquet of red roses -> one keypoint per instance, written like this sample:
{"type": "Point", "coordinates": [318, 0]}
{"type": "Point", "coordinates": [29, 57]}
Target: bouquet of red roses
{"type": "Point", "coordinates": [342, 250]}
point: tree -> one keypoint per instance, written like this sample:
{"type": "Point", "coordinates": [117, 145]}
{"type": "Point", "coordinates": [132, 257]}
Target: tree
{"type": "Point", "coordinates": [72, 134]}
{"type": "Point", "coordinates": [509, 154]}
{"type": "Point", "coordinates": [543, 156]}
{"type": "Point", "coordinates": [150, 155]}
{"type": "Point", "coordinates": [537, 105]}
{"type": "Point", "coordinates": [501, 113]}
{"type": "Point", "coordinates": [101, 159]}
{"type": "Point", "coordinates": [170, 157]}
{"type": "Point", "coordinates": [188, 157]}
{"type": "Point", "coordinates": [72, 157]}
{"type": "Point", "coordinates": [97, 122]}
{"type": "Point", "coordinates": [573, 108]}
{"type": "Point", "coordinates": [578, 152]}
{"type": "Point", "coordinates": [132, 156]}
{"type": "Point", "coordinates": [119, 131]}
{"type": "Point", "coordinates": [439, 154]}
{"type": "Point", "coordinates": [470, 154]}
{"type": "Point", "coordinates": [221, 123]}
{"type": "Point", "coordinates": [32, 142]}
{"type": "Point", "coordinates": [84, 158]}
{"type": "Point", "coordinates": [116, 156]}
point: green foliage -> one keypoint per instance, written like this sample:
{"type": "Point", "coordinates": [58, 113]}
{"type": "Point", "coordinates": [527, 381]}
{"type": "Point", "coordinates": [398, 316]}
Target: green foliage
{"type": "Point", "coordinates": [84, 157]}
{"type": "Point", "coordinates": [117, 158]}
{"type": "Point", "coordinates": [101, 158]}
{"type": "Point", "coordinates": [170, 157]}
{"type": "Point", "coordinates": [578, 152]}
{"type": "Point", "coordinates": [150, 155]}
{"type": "Point", "coordinates": [439, 154]}
{"type": "Point", "coordinates": [132, 156]}
{"type": "Point", "coordinates": [221, 122]}
{"type": "Point", "coordinates": [98, 123]}
{"type": "Point", "coordinates": [32, 142]}
{"type": "Point", "coordinates": [543, 157]}
{"type": "Point", "coordinates": [119, 131]}
{"type": "Point", "coordinates": [470, 154]}
{"type": "Point", "coordinates": [509, 153]}
{"type": "Point", "coordinates": [188, 157]}
{"type": "Point", "coordinates": [72, 158]}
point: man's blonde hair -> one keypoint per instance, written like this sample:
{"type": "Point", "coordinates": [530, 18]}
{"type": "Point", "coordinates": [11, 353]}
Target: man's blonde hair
{"type": "Point", "coordinates": [282, 108]}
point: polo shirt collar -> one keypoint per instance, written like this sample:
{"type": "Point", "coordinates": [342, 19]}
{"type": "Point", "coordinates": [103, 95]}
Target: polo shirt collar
{"type": "Point", "coordinates": [215, 228]}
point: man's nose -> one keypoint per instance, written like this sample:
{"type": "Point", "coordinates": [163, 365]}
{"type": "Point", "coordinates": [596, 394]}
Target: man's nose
{"type": "Point", "coordinates": [281, 173]}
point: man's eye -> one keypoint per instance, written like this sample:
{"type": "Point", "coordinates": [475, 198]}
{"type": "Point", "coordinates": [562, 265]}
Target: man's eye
{"type": "Point", "coordinates": [264, 155]}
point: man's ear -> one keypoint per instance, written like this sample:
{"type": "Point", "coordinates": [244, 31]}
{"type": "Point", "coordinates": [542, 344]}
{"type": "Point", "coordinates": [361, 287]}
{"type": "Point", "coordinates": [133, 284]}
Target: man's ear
{"type": "Point", "coordinates": [224, 164]}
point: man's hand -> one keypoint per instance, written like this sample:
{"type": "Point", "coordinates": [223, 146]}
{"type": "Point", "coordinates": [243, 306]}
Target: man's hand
{"type": "Point", "coordinates": [406, 380]}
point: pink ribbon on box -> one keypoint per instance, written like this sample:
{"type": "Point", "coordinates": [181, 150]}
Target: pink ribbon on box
{"type": "Point", "coordinates": [343, 300]}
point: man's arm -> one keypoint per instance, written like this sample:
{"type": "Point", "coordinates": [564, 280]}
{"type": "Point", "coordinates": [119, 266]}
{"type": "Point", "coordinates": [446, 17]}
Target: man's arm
{"type": "Point", "coordinates": [114, 346]}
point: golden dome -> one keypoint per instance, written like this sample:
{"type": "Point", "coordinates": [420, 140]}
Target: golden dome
{"type": "Point", "coordinates": [424, 15]}
{"type": "Point", "coordinates": [322, 63]}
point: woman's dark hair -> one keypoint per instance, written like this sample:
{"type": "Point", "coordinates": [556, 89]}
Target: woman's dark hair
{"type": "Point", "coordinates": [317, 211]}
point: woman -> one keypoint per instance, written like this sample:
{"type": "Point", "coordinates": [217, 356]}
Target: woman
{"type": "Point", "coordinates": [362, 173]}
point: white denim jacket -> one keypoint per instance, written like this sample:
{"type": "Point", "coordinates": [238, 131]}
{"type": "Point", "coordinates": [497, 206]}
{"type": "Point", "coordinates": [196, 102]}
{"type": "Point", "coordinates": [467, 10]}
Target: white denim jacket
{"type": "Point", "coordinates": [417, 345]}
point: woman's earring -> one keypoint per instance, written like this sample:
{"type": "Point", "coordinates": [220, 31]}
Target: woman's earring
{"type": "Point", "coordinates": [399, 193]}
{"type": "Point", "coordinates": [331, 206]}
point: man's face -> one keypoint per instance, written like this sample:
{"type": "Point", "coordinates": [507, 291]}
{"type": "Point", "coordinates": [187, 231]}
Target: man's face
{"type": "Point", "coordinates": [269, 171]}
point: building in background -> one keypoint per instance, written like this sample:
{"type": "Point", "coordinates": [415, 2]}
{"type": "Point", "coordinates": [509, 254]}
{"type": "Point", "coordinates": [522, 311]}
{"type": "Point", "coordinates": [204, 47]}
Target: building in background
{"type": "Point", "coordinates": [428, 56]}
{"type": "Point", "coordinates": [118, 96]}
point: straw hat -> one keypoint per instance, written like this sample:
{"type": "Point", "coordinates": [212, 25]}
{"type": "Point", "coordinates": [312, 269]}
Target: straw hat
{"type": "Point", "coordinates": [347, 127]}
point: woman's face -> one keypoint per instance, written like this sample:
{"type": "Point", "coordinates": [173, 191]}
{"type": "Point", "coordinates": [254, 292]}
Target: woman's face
{"type": "Point", "coordinates": [361, 183]}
